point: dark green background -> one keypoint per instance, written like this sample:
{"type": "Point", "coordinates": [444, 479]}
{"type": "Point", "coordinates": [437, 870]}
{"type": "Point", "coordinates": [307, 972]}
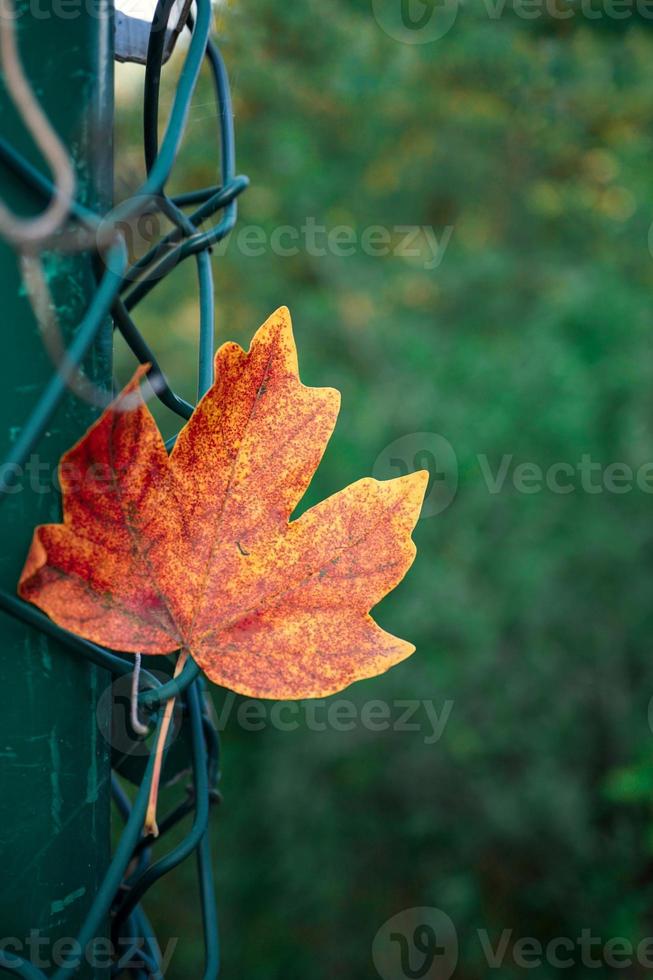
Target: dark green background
{"type": "Point", "coordinates": [531, 612]}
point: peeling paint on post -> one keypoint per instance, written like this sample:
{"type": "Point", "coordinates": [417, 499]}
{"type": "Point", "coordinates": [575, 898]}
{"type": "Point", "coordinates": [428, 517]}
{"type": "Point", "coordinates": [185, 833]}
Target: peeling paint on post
{"type": "Point", "coordinates": [54, 763]}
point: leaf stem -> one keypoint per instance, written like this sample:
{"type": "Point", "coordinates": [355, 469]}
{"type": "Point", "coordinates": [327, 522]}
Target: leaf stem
{"type": "Point", "coordinates": [150, 826]}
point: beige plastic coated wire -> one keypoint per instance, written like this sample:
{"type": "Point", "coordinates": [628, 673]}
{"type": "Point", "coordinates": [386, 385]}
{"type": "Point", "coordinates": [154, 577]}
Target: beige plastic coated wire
{"type": "Point", "coordinates": [27, 234]}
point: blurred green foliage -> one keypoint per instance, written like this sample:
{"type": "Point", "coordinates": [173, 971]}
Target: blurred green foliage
{"type": "Point", "coordinates": [532, 612]}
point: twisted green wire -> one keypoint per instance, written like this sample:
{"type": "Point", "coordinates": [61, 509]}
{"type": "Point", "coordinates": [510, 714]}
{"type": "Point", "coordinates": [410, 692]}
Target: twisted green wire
{"type": "Point", "coordinates": [187, 240]}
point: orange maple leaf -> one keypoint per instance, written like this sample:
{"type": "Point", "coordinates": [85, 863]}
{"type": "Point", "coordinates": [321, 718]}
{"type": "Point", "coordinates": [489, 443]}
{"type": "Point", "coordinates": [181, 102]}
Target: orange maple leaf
{"type": "Point", "coordinates": [195, 551]}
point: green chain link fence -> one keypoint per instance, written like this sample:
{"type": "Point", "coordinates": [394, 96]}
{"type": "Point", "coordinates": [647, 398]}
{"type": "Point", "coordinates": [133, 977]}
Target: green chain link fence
{"type": "Point", "coordinates": [119, 288]}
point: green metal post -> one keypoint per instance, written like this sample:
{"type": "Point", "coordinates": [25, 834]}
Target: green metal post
{"type": "Point", "coordinates": [54, 763]}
